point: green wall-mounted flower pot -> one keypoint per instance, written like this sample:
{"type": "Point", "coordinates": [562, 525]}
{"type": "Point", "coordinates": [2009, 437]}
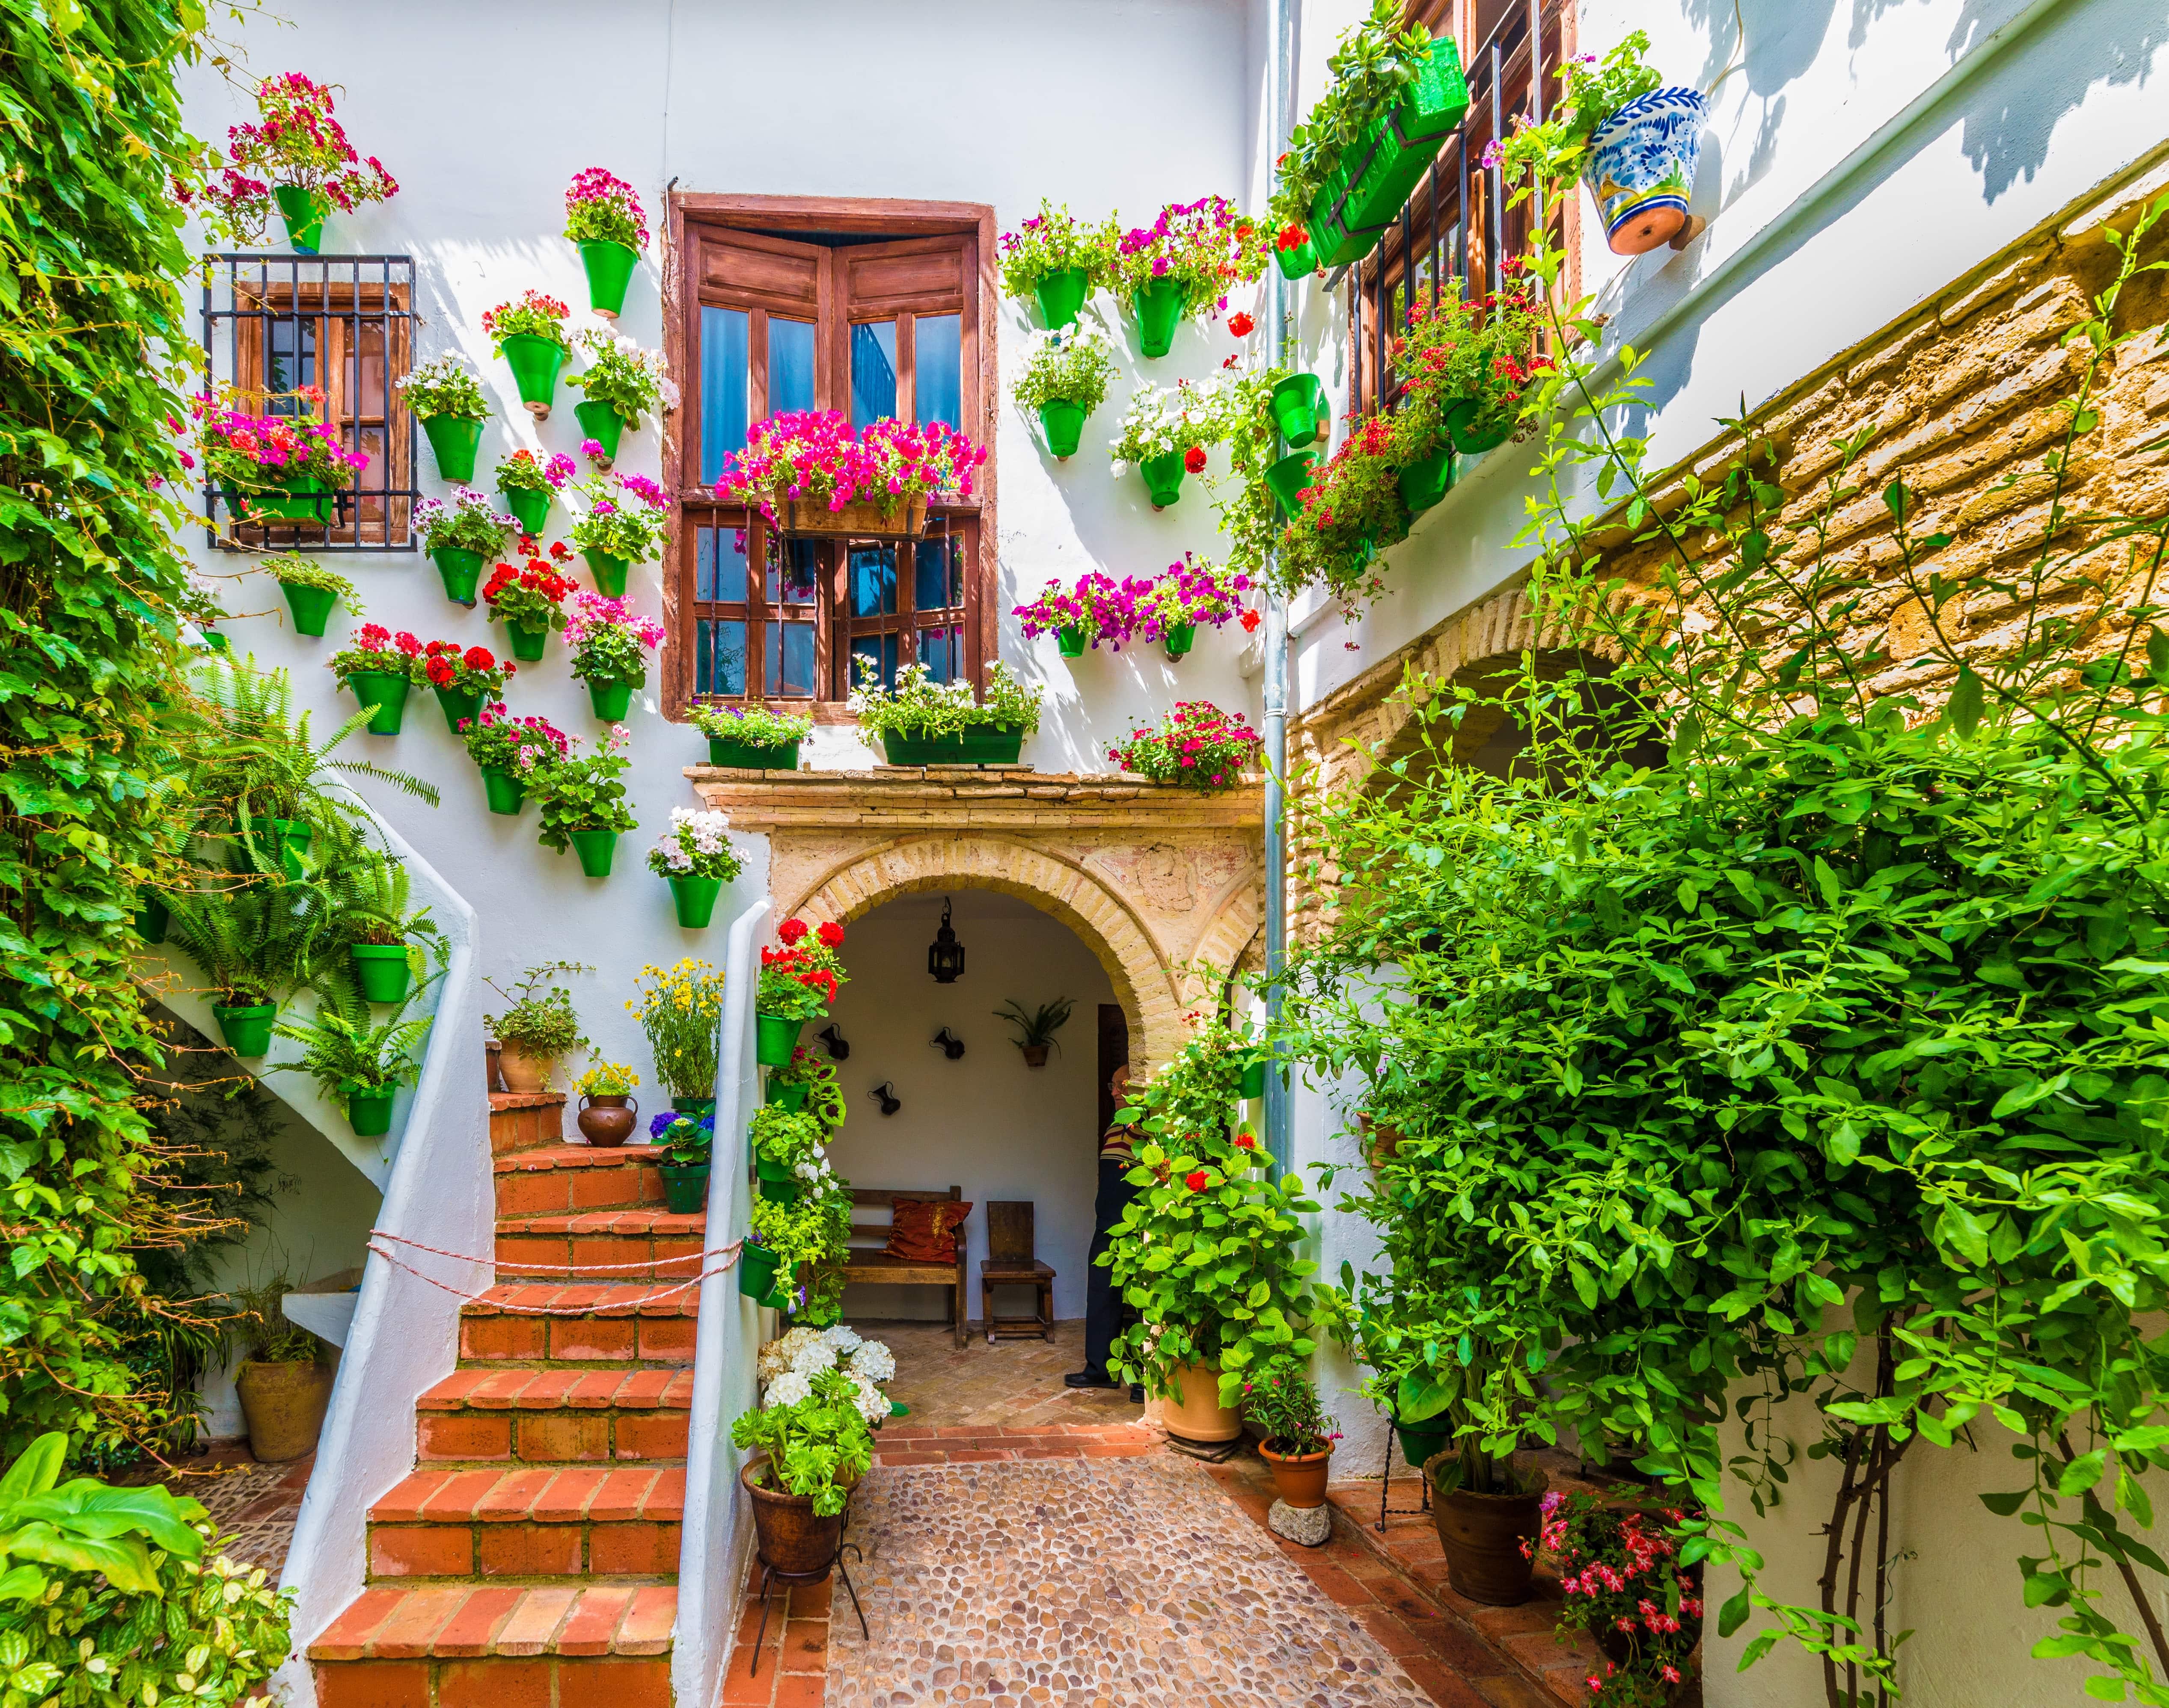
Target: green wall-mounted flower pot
{"type": "Point", "coordinates": [790, 1098]}
{"type": "Point", "coordinates": [685, 1190]}
{"type": "Point", "coordinates": [609, 267]}
{"type": "Point", "coordinates": [603, 424]}
{"type": "Point", "coordinates": [612, 696]}
{"type": "Point", "coordinates": [384, 691]}
{"type": "Point", "coordinates": [1428, 479]}
{"type": "Point", "coordinates": [1062, 293]}
{"type": "Point", "coordinates": [385, 971]}
{"type": "Point", "coordinates": [526, 642]}
{"type": "Point", "coordinates": [694, 899]}
{"type": "Point", "coordinates": [529, 507]}
{"type": "Point", "coordinates": [1290, 478]}
{"type": "Point", "coordinates": [694, 1106]}
{"type": "Point", "coordinates": [609, 573]}
{"type": "Point", "coordinates": [369, 1110]}
{"type": "Point", "coordinates": [505, 792]}
{"type": "Point", "coordinates": [247, 1029]}
{"type": "Point", "coordinates": [1159, 304]}
{"type": "Point", "coordinates": [1469, 435]}
{"type": "Point", "coordinates": [775, 1038]}
{"type": "Point", "coordinates": [303, 212]}
{"type": "Point", "coordinates": [1299, 409]}
{"type": "Point", "coordinates": [1163, 478]}
{"type": "Point", "coordinates": [534, 362]}
{"type": "Point", "coordinates": [778, 1184]}
{"type": "Point", "coordinates": [757, 1272]}
{"type": "Point", "coordinates": [151, 917]}
{"type": "Point", "coordinates": [745, 756]}
{"type": "Point", "coordinates": [303, 498]}
{"type": "Point", "coordinates": [454, 440]}
{"type": "Point", "coordinates": [460, 570]}
{"type": "Point", "coordinates": [1070, 639]}
{"type": "Point", "coordinates": [1297, 263]}
{"type": "Point", "coordinates": [311, 606]}
{"type": "Point", "coordinates": [294, 839]}
{"type": "Point", "coordinates": [462, 705]}
{"type": "Point", "coordinates": [985, 745]}
{"type": "Point", "coordinates": [1179, 638]}
{"type": "Point", "coordinates": [1064, 423]}
{"type": "Point", "coordinates": [597, 849]}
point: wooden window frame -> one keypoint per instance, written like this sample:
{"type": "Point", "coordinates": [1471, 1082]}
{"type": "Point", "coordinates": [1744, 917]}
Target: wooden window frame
{"type": "Point", "coordinates": [753, 216]}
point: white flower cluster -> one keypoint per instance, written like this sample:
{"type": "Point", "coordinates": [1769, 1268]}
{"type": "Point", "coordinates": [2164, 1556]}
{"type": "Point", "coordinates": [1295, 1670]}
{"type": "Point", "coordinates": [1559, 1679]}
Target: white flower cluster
{"type": "Point", "coordinates": [874, 1361]}
{"type": "Point", "coordinates": [787, 1390]}
{"type": "Point", "coordinates": [779, 1355]}
{"type": "Point", "coordinates": [871, 1402]}
{"type": "Point", "coordinates": [844, 1337]}
{"type": "Point", "coordinates": [788, 1365]}
{"type": "Point", "coordinates": [692, 833]}
{"type": "Point", "coordinates": [1163, 422]}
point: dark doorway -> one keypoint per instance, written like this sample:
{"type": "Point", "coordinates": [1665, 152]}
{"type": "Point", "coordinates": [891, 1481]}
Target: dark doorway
{"type": "Point", "coordinates": [1114, 1052]}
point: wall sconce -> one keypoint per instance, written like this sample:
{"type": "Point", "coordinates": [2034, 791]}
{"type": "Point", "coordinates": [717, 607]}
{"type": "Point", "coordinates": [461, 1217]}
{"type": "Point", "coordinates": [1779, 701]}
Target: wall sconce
{"type": "Point", "coordinates": [949, 1044]}
{"type": "Point", "coordinates": [886, 1091]}
{"type": "Point", "coordinates": [944, 956]}
{"type": "Point", "coordinates": [838, 1048]}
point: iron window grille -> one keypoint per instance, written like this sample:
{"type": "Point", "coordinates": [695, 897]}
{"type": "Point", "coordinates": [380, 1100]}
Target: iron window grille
{"type": "Point", "coordinates": [273, 324]}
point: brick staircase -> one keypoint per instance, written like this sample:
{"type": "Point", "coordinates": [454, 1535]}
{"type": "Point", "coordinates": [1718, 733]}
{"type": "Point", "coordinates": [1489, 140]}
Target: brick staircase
{"type": "Point", "coordinates": [530, 1561]}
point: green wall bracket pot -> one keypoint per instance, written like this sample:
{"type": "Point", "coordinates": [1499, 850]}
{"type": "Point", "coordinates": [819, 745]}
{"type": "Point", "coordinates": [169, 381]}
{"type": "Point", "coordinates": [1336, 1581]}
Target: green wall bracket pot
{"type": "Point", "coordinates": [1163, 478]}
{"type": "Point", "coordinates": [1064, 424]}
{"type": "Point", "coordinates": [603, 424]}
{"type": "Point", "coordinates": [1640, 167]}
{"type": "Point", "coordinates": [987, 745]}
{"type": "Point", "coordinates": [694, 1106]}
{"type": "Point", "coordinates": [1299, 409]}
{"type": "Point", "coordinates": [1159, 304]}
{"type": "Point", "coordinates": [504, 792]}
{"type": "Point", "coordinates": [596, 848]}
{"type": "Point", "coordinates": [384, 691]}
{"type": "Point", "coordinates": [612, 696]}
{"type": "Point", "coordinates": [247, 1029]}
{"type": "Point", "coordinates": [1297, 263]}
{"type": "Point", "coordinates": [384, 969]}
{"type": "Point", "coordinates": [151, 917]}
{"type": "Point", "coordinates": [454, 440]}
{"type": "Point", "coordinates": [774, 1038]}
{"type": "Point", "coordinates": [534, 362]}
{"type": "Point", "coordinates": [529, 507]}
{"type": "Point", "coordinates": [778, 1184]}
{"type": "Point", "coordinates": [1179, 638]}
{"type": "Point", "coordinates": [1419, 1444]}
{"type": "Point", "coordinates": [1070, 638]}
{"type": "Point", "coordinates": [526, 642]}
{"type": "Point", "coordinates": [369, 1110]}
{"type": "Point", "coordinates": [744, 756]}
{"type": "Point", "coordinates": [1290, 478]}
{"type": "Point", "coordinates": [1365, 191]}
{"type": "Point", "coordinates": [609, 267]}
{"type": "Point", "coordinates": [685, 1190]}
{"type": "Point", "coordinates": [1428, 479]}
{"type": "Point", "coordinates": [294, 839]}
{"type": "Point", "coordinates": [1061, 294]}
{"type": "Point", "coordinates": [462, 705]}
{"type": "Point", "coordinates": [1468, 437]}
{"type": "Point", "coordinates": [609, 573]}
{"type": "Point", "coordinates": [694, 899]}
{"type": "Point", "coordinates": [790, 1098]}
{"type": "Point", "coordinates": [460, 570]}
{"type": "Point", "coordinates": [757, 1267]}
{"type": "Point", "coordinates": [302, 499]}
{"type": "Point", "coordinates": [311, 606]}
{"type": "Point", "coordinates": [303, 210]}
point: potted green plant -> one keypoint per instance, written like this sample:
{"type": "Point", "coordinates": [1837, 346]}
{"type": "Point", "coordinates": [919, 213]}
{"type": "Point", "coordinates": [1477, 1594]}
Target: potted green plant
{"type": "Point", "coordinates": [809, 472]}
{"type": "Point", "coordinates": [1352, 509]}
{"type": "Point", "coordinates": [359, 1064]}
{"type": "Point", "coordinates": [782, 1140]}
{"type": "Point", "coordinates": [1065, 380]}
{"type": "Point", "coordinates": [296, 158]}
{"type": "Point", "coordinates": [603, 217]}
{"type": "Point", "coordinates": [530, 599]}
{"type": "Point", "coordinates": [621, 383]}
{"type": "Point", "coordinates": [379, 667]}
{"type": "Point", "coordinates": [798, 982]}
{"type": "Point", "coordinates": [311, 590]}
{"type": "Point", "coordinates": [583, 804]}
{"type": "Point", "coordinates": [681, 1011]}
{"type": "Point", "coordinates": [1180, 265]}
{"type": "Point", "coordinates": [811, 1238]}
{"type": "Point", "coordinates": [460, 533]}
{"type": "Point", "coordinates": [924, 722]}
{"type": "Point", "coordinates": [1486, 1505]}
{"type": "Point", "coordinates": [508, 752]}
{"type": "Point", "coordinates": [695, 856]}
{"type": "Point", "coordinates": [687, 1142]}
{"type": "Point", "coordinates": [284, 1385]}
{"type": "Point", "coordinates": [1054, 260]}
{"type": "Point", "coordinates": [288, 467]}
{"type": "Point", "coordinates": [811, 1444]}
{"type": "Point", "coordinates": [446, 392]}
{"type": "Point", "coordinates": [529, 334]}
{"type": "Point", "coordinates": [528, 483]}
{"type": "Point", "coordinates": [1196, 745]}
{"type": "Point", "coordinates": [1280, 1399]}
{"type": "Point", "coordinates": [464, 682]}
{"type": "Point", "coordinates": [606, 636]}
{"type": "Point", "coordinates": [373, 914]}
{"type": "Point", "coordinates": [538, 1028]}
{"type": "Point", "coordinates": [1036, 1027]}
{"type": "Point", "coordinates": [1095, 609]}
{"type": "Point", "coordinates": [624, 523]}
{"type": "Point", "coordinates": [1166, 434]}
{"type": "Point", "coordinates": [252, 941]}
{"type": "Point", "coordinates": [1463, 368]}
{"type": "Point", "coordinates": [1189, 592]}
{"type": "Point", "coordinates": [806, 1081]}
{"type": "Point", "coordinates": [607, 1107]}
{"type": "Point", "coordinates": [1623, 1583]}
{"type": "Point", "coordinates": [752, 737]}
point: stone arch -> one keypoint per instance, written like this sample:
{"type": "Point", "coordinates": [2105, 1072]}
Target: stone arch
{"type": "Point", "coordinates": [1145, 984]}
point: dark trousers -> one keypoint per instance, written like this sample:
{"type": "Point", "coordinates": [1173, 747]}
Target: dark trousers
{"type": "Point", "coordinates": [1103, 1300]}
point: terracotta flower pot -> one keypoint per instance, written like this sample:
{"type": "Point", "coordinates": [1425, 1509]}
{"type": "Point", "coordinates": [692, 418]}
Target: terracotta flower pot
{"type": "Point", "coordinates": [1035, 1055]}
{"type": "Point", "coordinates": [1197, 1414]}
{"type": "Point", "coordinates": [606, 1120]}
{"type": "Point", "coordinates": [1298, 1478]}
{"type": "Point", "coordinates": [1481, 1535]}
{"type": "Point", "coordinates": [521, 1071]}
{"type": "Point", "coordinates": [790, 1536]}
{"type": "Point", "coordinates": [284, 1405]}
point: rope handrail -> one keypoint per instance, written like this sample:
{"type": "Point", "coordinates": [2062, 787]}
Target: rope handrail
{"type": "Point", "coordinates": [728, 1253]}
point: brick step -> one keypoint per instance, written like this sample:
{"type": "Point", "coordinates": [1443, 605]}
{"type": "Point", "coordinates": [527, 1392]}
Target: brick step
{"type": "Point", "coordinates": [529, 1247]}
{"type": "Point", "coordinates": [525, 1120]}
{"type": "Point", "coordinates": [487, 1414]}
{"type": "Point", "coordinates": [613, 1327]}
{"type": "Point", "coordinates": [546, 1521]}
{"type": "Point", "coordinates": [561, 1179]}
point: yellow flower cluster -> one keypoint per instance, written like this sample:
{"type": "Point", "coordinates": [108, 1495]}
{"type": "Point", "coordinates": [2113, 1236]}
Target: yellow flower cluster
{"type": "Point", "coordinates": [681, 1009]}
{"type": "Point", "coordinates": [606, 1079]}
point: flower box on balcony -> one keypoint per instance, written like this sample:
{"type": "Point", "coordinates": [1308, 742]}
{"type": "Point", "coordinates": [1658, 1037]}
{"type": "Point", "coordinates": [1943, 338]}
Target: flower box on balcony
{"type": "Point", "coordinates": [1365, 193]}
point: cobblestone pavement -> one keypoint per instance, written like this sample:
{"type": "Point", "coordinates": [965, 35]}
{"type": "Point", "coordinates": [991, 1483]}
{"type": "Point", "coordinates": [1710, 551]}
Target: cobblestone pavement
{"type": "Point", "coordinates": [253, 1504]}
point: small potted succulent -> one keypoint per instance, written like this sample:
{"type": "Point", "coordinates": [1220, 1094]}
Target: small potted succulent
{"type": "Point", "coordinates": [1182, 264]}
{"type": "Point", "coordinates": [924, 722]}
{"type": "Point", "coordinates": [621, 383]}
{"type": "Point", "coordinates": [298, 159]}
{"type": "Point", "coordinates": [360, 1064]}
{"type": "Point", "coordinates": [1196, 745]}
{"type": "Point", "coordinates": [1166, 434]}
{"type": "Point", "coordinates": [527, 483]}
{"type": "Point", "coordinates": [1192, 592]}
{"type": "Point", "coordinates": [1280, 1399]}
{"type": "Point", "coordinates": [529, 334]}
{"type": "Point", "coordinates": [1096, 608]}
{"type": "Point", "coordinates": [623, 525]}
{"type": "Point", "coordinates": [538, 1028]}
{"type": "Point", "coordinates": [510, 752]}
{"type": "Point", "coordinates": [1036, 1027]}
{"type": "Point", "coordinates": [808, 472]}
{"type": "Point", "coordinates": [752, 737]}
{"type": "Point", "coordinates": [583, 804]}
{"type": "Point", "coordinates": [446, 392]}
{"type": "Point", "coordinates": [311, 590]}
{"type": "Point", "coordinates": [460, 533]}
{"type": "Point", "coordinates": [688, 1144]}
{"type": "Point", "coordinates": [1055, 260]}
{"type": "Point", "coordinates": [681, 1011]}
{"type": "Point", "coordinates": [605, 636]}
{"type": "Point", "coordinates": [603, 217]}
{"type": "Point", "coordinates": [1065, 380]}
{"type": "Point", "coordinates": [464, 679]}
{"type": "Point", "coordinates": [811, 1442]}
{"type": "Point", "coordinates": [530, 598]}
{"type": "Point", "coordinates": [607, 1107]}
{"type": "Point", "coordinates": [379, 667]}
{"type": "Point", "coordinates": [694, 855]}
{"type": "Point", "coordinates": [798, 983]}
{"type": "Point", "coordinates": [276, 468]}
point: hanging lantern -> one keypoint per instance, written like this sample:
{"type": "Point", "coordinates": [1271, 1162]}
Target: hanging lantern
{"type": "Point", "coordinates": [945, 957]}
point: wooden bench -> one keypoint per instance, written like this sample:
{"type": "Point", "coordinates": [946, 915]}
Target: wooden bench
{"type": "Point", "coordinates": [878, 1266]}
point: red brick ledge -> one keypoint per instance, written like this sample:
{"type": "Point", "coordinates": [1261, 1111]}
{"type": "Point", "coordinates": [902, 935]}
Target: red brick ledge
{"type": "Point", "coordinates": [900, 1446]}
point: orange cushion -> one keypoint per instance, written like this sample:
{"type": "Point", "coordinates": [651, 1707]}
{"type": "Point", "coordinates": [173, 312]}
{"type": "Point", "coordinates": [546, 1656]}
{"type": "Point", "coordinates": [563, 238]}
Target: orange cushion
{"type": "Point", "coordinates": [921, 1231]}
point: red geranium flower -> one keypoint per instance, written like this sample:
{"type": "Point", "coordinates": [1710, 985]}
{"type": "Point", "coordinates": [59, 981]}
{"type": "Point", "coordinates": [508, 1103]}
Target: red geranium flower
{"type": "Point", "coordinates": [1241, 325]}
{"type": "Point", "coordinates": [831, 934]}
{"type": "Point", "coordinates": [1291, 237]}
{"type": "Point", "coordinates": [1194, 459]}
{"type": "Point", "coordinates": [1195, 1180]}
{"type": "Point", "coordinates": [407, 643]}
{"type": "Point", "coordinates": [479, 658]}
{"type": "Point", "coordinates": [791, 930]}
{"type": "Point", "coordinates": [1244, 1141]}
{"type": "Point", "coordinates": [1250, 621]}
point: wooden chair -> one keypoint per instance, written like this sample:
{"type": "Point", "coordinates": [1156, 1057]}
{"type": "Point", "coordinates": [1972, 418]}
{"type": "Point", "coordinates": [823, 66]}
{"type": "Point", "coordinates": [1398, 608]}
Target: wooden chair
{"type": "Point", "coordinates": [1009, 1263]}
{"type": "Point", "coordinates": [878, 1266]}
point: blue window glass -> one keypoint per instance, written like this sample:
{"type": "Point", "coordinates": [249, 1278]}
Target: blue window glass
{"type": "Point", "coordinates": [937, 580]}
{"type": "Point", "coordinates": [882, 649]}
{"type": "Point", "coordinates": [290, 363]}
{"type": "Point", "coordinates": [937, 368]}
{"type": "Point", "coordinates": [942, 653]}
{"type": "Point", "coordinates": [724, 392]}
{"type": "Point", "coordinates": [790, 365]}
{"type": "Point", "coordinates": [719, 565]}
{"type": "Point", "coordinates": [794, 572]}
{"type": "Point", "coordinates": [873, 580]}
{"type": "Point", "coordinates": [719, 657]}
{"type": "Point", "coordinates": [789, 656]}
{"type": "Point", "coordinates": [873, 372]}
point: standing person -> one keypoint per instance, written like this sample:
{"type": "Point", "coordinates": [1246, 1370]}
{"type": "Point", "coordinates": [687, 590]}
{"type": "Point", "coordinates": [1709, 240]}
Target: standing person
{"type": "Point", "coordinates": [1103, 1304]}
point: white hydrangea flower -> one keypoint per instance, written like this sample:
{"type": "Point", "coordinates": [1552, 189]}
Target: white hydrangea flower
{"type": "Point", "coordinates": [787, 1390]}
{"type": "Point", "coordinates": [844, 1337]}
{"type": "Point", "coordinates": [871, 1402]}
{"type": "Point", "coordinates": [874, 1361]}
{"type": "Point", "coordinates": [775, 1356]}
{"type": "Point", "coordinates": [810, 1361]}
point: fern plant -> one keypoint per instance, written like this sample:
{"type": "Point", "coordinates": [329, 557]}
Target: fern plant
{"type": "Point", "coordinates": [343, 1052]}
{"type": "Point", "coordinates": [255, 942]}
{"type": "Point", "coordinates": [370, 900]}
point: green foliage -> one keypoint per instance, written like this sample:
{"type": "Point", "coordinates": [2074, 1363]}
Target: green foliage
{"type": "Point", "coordinates": [83, 1526]}
{"type": "Point", "coordinates": [291, 569]}
{"type": "Point", "coordinates": [1249, 524]}
{"type": "Point", "coordinates": [541, 1025]}
{"type": "Point", "coordinates": [1049, 241]}
{"type": "Point", "coordinates": [1369, 69]}
{"type": "Point", "coordinates": [922, 708]}
{"type": "Point", "coordinates": [260, 1329]}
{"type": "Point", "coordinates": [818, 1446]}
{"type": "Point", "coordinates": [343, 1049]}
{"type": "Point", "coordinates": [1593, 90]}
{"type": "Point", "coordinates": [814, 1233]}
{"type": "Point", "coordinates": [755, 726]}
{"type": "Point", "coordinates": [824, 1092]}
{"type": "Point", "coordinates": [784, 1136]}
{"type": "Point", "coordinates": [1279, 1396]}
{"type": "Point", "coordinates": [253, 941]}
{"type": "Point", "coordinates": [585, 792]}
{"type": "Point", "coordinates": [1071, 366]}
{"type": "Point", "coordinates": [1037, 1027]}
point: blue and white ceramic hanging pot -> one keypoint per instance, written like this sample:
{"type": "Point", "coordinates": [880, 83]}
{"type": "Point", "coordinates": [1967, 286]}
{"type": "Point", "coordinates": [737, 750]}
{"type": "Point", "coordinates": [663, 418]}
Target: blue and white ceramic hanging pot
{"type": "Point", "coordinates": [1641, 167]}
